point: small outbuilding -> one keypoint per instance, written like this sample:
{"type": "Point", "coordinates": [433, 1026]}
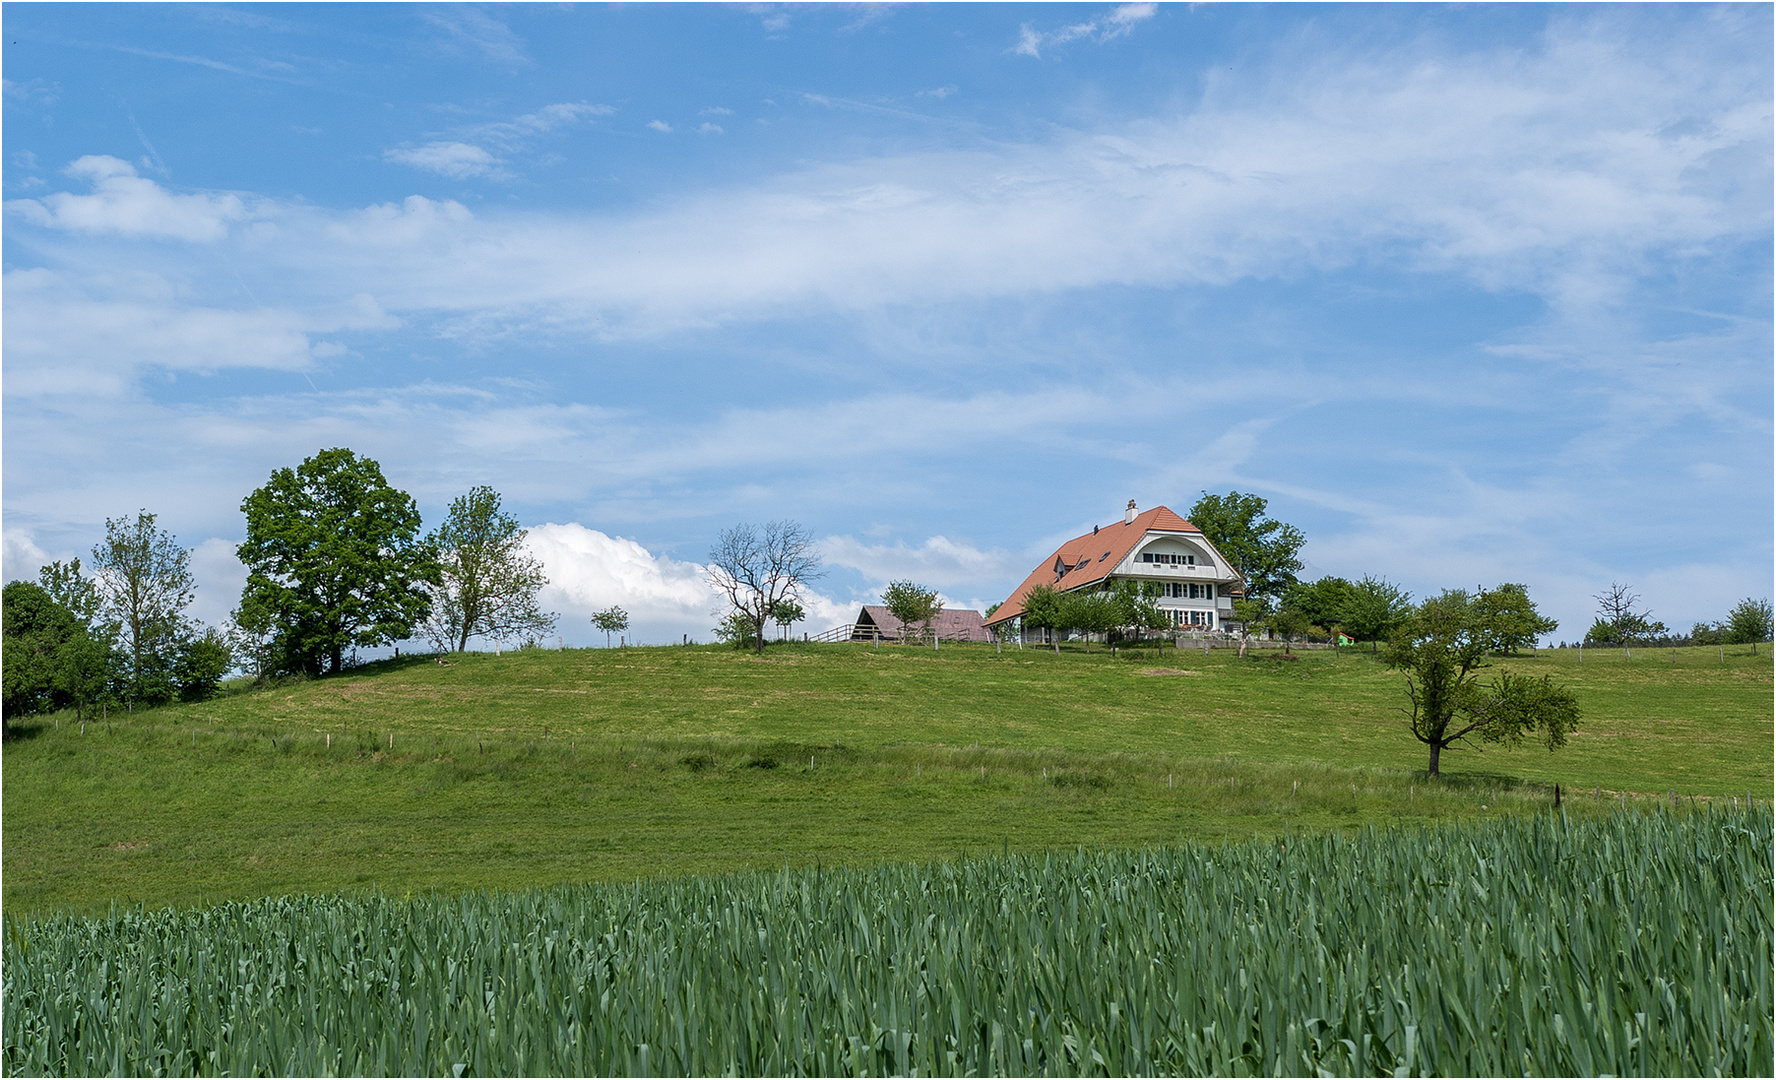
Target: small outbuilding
{"type": "Point", "coordinates": [874, 623]}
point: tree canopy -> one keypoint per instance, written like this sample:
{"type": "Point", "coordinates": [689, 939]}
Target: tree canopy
{"type": "Point", "coordinates": [913, 604]}
{"type": "Point", "coordinates": [1262, 549]}
{"type": "Point", "coordinates": [1441, 647]}
{"type": "Point", "coordinates": [143, 581]}
{"type": "Point", "coordinates": [1374, 608]}
{"type": "Point", "coordinates": [1511, 618]}
{"type": "Point", "coordinates": [612, 620]}
{"type": "Point", "coordinates": [52, 661]}
{"type": "Point", "coordinates": [1748, 622]}
{"type": "Point", "coordinates": [487, 581]}
{"type": "Point", "coordinates": [334, 562]}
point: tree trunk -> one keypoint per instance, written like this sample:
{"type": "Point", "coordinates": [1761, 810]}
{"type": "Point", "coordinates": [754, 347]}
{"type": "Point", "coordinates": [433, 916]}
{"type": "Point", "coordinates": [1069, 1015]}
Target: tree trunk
{"type": "Point", "coordinates": [1436, 751]}
{"type": "Point", "coordinates": [337, 660]}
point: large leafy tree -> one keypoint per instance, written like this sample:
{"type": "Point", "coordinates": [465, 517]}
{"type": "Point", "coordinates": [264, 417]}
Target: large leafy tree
{"type": "Point", "coordinates": [334, 562]}
{"type": "Point", "coordinates": [144, 582]}
{"type": "Point", "coordinates": [1322, 603]}
{"type": "Point", "coordinates": [1264, 550]}
{"type": "Point", "coordinates": [1374, 609]}
{"type": "Point", "coordinates": [1442, 647]}
{"type": "Point", "coordinates": [52, 661]}
{"type": "Point", "coordinates": [1513, 618]}
{"type": "Point", "coordinates": [758, 567]}
{"type": "Point", "coordinates": [488, 582]}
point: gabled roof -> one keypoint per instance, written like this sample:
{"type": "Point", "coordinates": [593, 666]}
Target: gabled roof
{"type": "Point", "coordinates": [1086, 559]}
{"type": "Point", "coordinates": [950, 624]}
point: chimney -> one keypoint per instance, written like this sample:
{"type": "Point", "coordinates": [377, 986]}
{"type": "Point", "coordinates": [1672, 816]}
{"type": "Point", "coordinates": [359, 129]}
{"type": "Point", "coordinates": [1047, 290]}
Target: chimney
{"type": "Point", "coordinates": [1129, 517]}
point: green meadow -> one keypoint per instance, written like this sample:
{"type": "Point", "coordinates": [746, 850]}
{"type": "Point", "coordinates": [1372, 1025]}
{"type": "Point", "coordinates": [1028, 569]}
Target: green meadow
{"type": "Point", "coordinates": [542, 767]}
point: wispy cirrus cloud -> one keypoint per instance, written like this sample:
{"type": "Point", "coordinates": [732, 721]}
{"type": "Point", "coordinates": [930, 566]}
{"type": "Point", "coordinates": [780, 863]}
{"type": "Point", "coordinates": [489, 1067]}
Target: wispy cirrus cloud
{"type": "Point", "coordinates": [457, 160]}
{"type": "Point", "coordinates": [1121, 20]}
{"type": "Point", "coordinates": [468, 29]}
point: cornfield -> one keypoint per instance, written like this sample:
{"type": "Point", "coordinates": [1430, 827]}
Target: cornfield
{"type": "Point", "coordinates": [1637, 943]}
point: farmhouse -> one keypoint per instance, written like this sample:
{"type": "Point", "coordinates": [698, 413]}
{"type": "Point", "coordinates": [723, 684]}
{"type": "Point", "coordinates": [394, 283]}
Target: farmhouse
{"type": "Point", "coordinates": [1197, 583]}
{"type": "Point", "coordinates": [950, 624]}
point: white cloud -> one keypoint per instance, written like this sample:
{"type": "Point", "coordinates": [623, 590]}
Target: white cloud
{"type": "Point", "coordinates": [939, 93]}
{"type": "Point", "coordinates": [1121, 20]}
{"type": "Point", "coordinates": [1538, 173]}
{"type": "Point", "coordinates": [456, 160]}
{"type": "Point", "coordinates": [512, 133]}
{"type": "Point", "coordinates": [130, 205]}
{"type": "Point", "coordinates": [220, 577]}
{"type": "Point", "coordinates": [94, 336]}
{"type": "Point", "coordinates": [715, 110]}
{"type": "Point", "coordinates": [709, 129]}
{"type": "Point", "coordinates": [472, 29]}
{"type": "Point", "coordinates": [590, 570]}
{"type": "Point", "coordinates": [937, 563]}
{"type": "Point", "coordinates": [660, 126]}
{"type": "Point", "coordinates": [20, 557]}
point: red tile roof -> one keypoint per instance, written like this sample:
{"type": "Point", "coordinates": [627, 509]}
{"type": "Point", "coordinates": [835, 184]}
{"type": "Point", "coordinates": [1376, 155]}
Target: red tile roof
{"type": "Point", "coordinates": [1090, 558]}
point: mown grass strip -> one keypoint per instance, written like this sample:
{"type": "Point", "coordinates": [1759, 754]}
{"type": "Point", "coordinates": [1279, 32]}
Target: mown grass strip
{"type": "Point", "coordinates": [1632, 944]}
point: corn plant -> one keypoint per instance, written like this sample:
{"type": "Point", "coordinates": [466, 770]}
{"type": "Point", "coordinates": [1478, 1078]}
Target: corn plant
{"type": "Point", "coordinates": [1633, 944]}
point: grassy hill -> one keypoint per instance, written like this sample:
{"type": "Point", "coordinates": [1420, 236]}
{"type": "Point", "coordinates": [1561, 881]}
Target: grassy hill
{"type": "Point", "coordinates": [539, 767]}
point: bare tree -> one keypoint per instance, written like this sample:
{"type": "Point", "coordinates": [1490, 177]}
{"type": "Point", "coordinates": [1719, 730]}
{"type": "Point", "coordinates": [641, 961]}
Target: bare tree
{"type": "Point", "coordinates": [489, 582]}
{"type": "Point", "coordinates": [759, 568]}
{"type": "Point", "coordinates": [1620, 620]}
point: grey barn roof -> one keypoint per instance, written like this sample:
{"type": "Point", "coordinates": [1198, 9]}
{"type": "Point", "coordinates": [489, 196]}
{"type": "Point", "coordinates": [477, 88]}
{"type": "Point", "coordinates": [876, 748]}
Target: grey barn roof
{"type": "Point", "coordinates": [950, 624]}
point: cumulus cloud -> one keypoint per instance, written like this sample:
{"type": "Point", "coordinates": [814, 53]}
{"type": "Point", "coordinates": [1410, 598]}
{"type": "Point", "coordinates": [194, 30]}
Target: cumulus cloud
{"type": "Point", "coordinates": [20, 557]}
{"type": "Point", "coordinates": [129, 205]}
{"type": "Point", "coordinates": [661, 126]}
{"type": "Point", "coordinates": [457, 160]}
{"type": "Point", "coordinates": [665, 598]}
{"type": "Point", "coordinates": [1121, 20]}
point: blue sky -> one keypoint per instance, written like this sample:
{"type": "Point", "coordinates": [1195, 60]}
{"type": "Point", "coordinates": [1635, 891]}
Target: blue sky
{"type": "Point", "coordinates": [1470, 295]}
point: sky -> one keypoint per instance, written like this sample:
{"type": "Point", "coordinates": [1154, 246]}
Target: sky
{"type": "Point", "coordinates": [1470, 294]}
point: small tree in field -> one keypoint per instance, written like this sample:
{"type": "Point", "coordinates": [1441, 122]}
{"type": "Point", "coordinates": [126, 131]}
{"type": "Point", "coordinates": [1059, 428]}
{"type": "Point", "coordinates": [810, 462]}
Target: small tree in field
{"type": "Point", "coordinates": [1042, 610]}
{"type": "Point", "coordinates": [759, 567]}
{"type": "Point", "coordinates": [1090, 611]}
{"type": "Point", "coordinates": [1137, 607]}
{"type": "Point", "coordinates": [488, 582]}
{"type": "Point", "coordinates": [786, 614]}
{"type": "Point", "coordinates": [1442, 648]}
{"type": "Point", "coordinates": [914, 605]}
{"type": "Point", "coordinates": [1287, 623]}
{"type": "Point", "coordinates": [612, 620]}
{"type": "Point", "coordinates": [1748, 623]}
{"type": "Point", "coordinates": [1374, 609]}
